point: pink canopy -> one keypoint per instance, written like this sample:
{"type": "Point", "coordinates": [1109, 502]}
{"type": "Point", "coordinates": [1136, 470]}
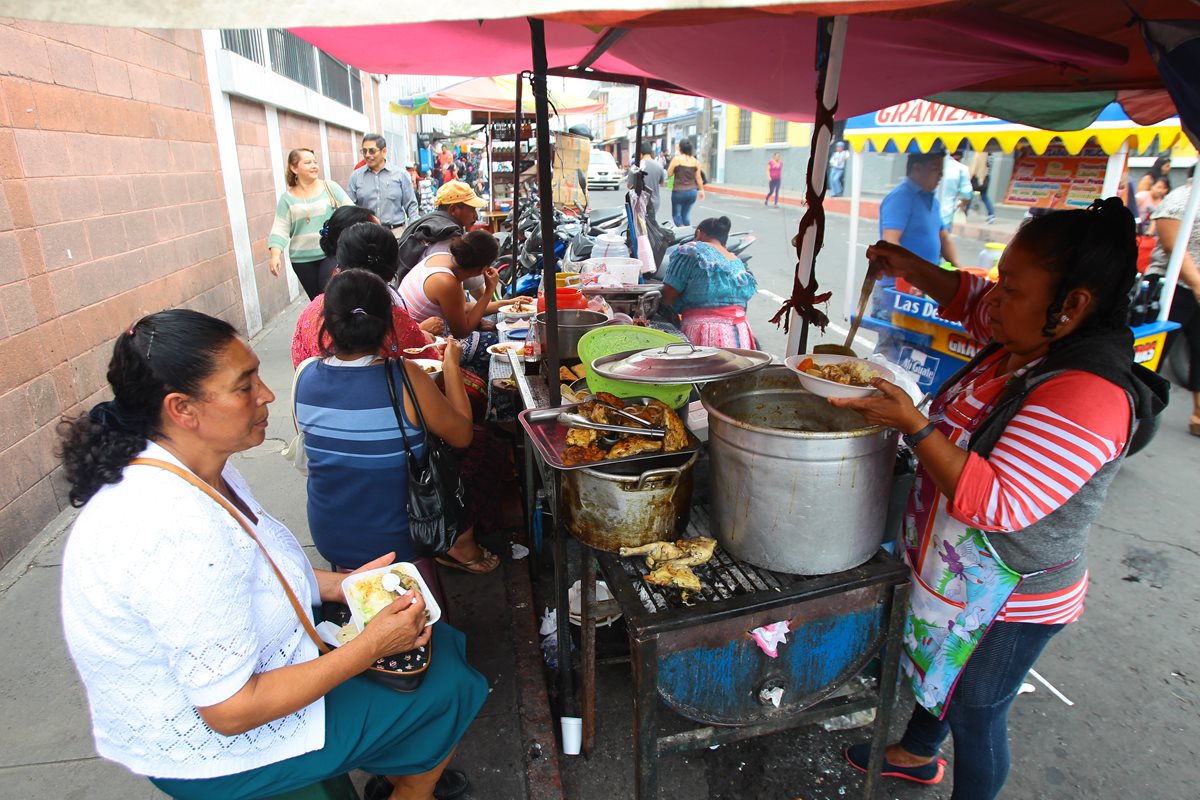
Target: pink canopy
{"type": "Point", "coordinates": [499, 95]}
{"type": "Point", "coordinates": [765, 62]}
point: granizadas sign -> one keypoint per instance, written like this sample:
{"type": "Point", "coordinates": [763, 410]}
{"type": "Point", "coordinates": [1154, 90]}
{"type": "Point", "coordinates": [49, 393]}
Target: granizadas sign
{"type": "Point", "coordinates": [924, 112]}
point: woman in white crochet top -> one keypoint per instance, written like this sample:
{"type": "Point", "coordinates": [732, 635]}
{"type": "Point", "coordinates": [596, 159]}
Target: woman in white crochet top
{"type": "Point", "coordinates": [198, 671]}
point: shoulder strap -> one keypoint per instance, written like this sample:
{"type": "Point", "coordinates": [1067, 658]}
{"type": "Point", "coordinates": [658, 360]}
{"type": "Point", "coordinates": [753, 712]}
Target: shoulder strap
{"type": "Point", "coordinates": [393, 395]}
{"type": "Point", "coordinates": [295, 381]}
{"type": "Point", "coordinates": [329, 192]}
{"type": "Point", "coordinates": [211, 492]}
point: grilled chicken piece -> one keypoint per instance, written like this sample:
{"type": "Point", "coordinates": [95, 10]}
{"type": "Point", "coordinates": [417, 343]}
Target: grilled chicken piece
{"type": "Point", "coordinates": [696, 551]}
{"type": "Point", "coordinates": [671, 574]}
{"type": "Point", "coordinates": [573, 455]}
{"type": "Point", "coordinates": [649, 414]}
{"type": "Point", "coordinates": [634, 445]}
{"type": "Point", "coordinates": [582, 437]}
{"type": "Point", "coordinates": [681, 552]}
{"type": "Point", "coordinates": [655, 551]}
{"type": "Point", "coordinates": [677, 437]}
{"type": "Point", "coordinates": [610, 399]}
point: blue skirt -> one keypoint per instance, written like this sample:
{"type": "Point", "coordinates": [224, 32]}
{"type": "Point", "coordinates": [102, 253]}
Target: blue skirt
{"type": "Point", "coordinates": [368, 727]}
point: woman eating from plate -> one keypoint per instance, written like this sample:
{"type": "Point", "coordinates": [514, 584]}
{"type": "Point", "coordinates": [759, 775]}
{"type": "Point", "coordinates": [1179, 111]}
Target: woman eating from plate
{"type": "Point", "coordinates": [434, 289]}
{"type": "Point", "coordinates": [180, 596]}
{"type": "Point", "coordinates": [710, 287]}
{"type": "Point", "coordinates": [1015, 461]}
{"type": "Point", "coordinates": [357, 454]}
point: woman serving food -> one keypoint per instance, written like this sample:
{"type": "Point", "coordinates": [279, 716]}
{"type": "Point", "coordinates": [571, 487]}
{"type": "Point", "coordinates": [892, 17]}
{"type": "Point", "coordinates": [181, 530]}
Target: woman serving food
{"type": "Point", "coordinates": [1015, 461]}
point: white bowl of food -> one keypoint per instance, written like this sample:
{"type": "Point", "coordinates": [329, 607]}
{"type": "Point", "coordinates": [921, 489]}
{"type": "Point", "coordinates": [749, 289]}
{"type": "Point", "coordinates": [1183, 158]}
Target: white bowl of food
{"type": "Point", "coordinates": [432, 366]}
{"type": "Point", "coordinates": [367, 593]}
{"type": "Point", "coordinates": [501, 349]}
{"type": "Point", "coordinates": [837, 376]}
{"type": "Point", "coordinates": [518, 311]}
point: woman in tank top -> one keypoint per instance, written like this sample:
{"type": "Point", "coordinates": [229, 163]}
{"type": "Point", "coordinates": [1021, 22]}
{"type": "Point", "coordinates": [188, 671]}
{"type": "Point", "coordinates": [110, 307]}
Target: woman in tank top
{"type": "Point", "coordinates": [688, 186]}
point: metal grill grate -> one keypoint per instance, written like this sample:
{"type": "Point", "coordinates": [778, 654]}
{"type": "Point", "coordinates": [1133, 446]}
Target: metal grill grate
{"type": "Point", "coordinates": [721, 578]}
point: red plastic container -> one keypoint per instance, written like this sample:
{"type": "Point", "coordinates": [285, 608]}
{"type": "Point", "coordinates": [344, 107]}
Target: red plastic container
{"type": "Point", "coordinates": [568, 297]}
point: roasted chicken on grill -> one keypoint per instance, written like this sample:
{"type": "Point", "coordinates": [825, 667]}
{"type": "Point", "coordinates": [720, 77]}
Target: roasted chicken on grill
{"type": "Point", "coordinates": [672, 574]}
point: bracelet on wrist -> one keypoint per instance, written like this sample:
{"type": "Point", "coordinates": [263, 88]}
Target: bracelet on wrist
{"type": "Point", "coordinates": [914, 439]}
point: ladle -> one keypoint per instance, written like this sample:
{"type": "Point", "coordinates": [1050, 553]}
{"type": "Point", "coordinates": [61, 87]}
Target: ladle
{"type": "Point", "coordinates": [845, 349]}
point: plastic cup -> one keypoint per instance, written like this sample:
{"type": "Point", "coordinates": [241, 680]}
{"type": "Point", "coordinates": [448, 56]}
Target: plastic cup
{"type": "Point", "coordinates": [572, 734]}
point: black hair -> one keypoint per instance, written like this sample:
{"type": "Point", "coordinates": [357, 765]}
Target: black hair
{"type": "Point", "coordinates": [715, 228]}
{"type": "Point", "coordinates": [1095, 249]}
{"type": "Point", "coordinates": [475, 250]}
{"type": "Point", "coordinates": [357, 314]}
{"type": "Point", "coordinates": [920, 159]}
{"type": "Point", "coordinates": [171, 351]}
{"type": "Point", "coordinates": [379, 141]}
{"type": "Point", "coordinates": [341, 219]}
{"type": "Point", "coordinates": [685, 147]}
{"type": "Point", "coordinates": [1156, 169]}
{"type": "Point", "coordinates": [369, 246]}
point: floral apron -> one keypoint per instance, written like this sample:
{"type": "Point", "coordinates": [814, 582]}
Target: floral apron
{"type": "Point", "coordinates": [958, 593]}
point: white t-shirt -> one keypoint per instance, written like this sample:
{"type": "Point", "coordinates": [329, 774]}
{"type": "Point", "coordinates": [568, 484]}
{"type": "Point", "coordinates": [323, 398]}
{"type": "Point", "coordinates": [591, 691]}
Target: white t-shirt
{"type": "Point", "coordinates": [168, 605]}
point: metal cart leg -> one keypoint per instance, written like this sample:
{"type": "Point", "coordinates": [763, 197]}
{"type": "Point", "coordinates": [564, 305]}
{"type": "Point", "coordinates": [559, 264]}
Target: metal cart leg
{"type": "Point", "coordinates": [566, 677]}
{"type": "Point", "coordinates": [887, 688]}
{"type": "Point", "coordinates": [645, 719]}
{"type": "Point", "coordinates": [587, 633]}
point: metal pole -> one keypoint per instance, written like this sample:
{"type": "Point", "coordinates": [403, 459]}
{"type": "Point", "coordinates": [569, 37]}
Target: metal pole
{"type": "Point", "coordinates": [487, 149]}
{"type": "Point", "coordinates": [856, 161]}
{"type": "Point", "coordinates": [827, 83]}
{"type": "Point", "coordinates": [516, 198]}
{"type": "Point", "coordinates": [641, 115]}
{"type": "Point", "coordinates": [537, 30]}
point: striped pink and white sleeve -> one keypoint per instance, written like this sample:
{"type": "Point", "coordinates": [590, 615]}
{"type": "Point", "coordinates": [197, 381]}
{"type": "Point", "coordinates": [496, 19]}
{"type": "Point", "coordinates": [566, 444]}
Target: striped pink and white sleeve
{"type": "Point", "coordinates": [967, 307]}
{"type": "Point", "coordinates": [1068, 429]}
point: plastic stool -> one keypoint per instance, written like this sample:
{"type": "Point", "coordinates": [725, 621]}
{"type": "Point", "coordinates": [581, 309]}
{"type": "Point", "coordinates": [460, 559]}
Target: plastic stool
{"type": "Point", "coordinates": [336, 788]}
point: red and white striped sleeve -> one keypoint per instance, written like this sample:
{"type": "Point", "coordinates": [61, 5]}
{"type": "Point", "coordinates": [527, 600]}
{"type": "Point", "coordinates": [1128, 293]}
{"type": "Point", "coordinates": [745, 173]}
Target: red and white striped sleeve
{"type": "Point", "coordinates": [1068, 428]}
{"type": "Point", "coordinates": [967, 307]}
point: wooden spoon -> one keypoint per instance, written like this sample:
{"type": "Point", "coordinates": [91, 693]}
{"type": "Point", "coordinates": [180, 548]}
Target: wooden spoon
{"type": "Point", "coordinates": [845, 349]}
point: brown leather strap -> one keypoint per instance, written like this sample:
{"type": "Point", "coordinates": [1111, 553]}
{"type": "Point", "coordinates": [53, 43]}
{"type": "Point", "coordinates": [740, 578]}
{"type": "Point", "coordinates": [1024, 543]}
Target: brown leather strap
{"type": "Point", "coordinates": [215, 495]}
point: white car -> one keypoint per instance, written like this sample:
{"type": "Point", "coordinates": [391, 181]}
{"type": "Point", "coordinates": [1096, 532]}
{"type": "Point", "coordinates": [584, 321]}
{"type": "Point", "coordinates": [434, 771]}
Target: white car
{"type": "Point", "coordinates": [603, 172]}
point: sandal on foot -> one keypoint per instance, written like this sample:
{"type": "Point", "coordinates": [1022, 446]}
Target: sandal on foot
{"type": "Point", "coordinates": [859, 755]}
{"type": "Point", "coordinates": [452, 785]}
{"type": "Point", "coordinates": [447, 560]}
{"type": "Point", "coordinates": [1194, 428]}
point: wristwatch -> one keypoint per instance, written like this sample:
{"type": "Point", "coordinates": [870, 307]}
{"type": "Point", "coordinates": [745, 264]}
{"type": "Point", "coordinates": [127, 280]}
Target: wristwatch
{"type": "Point", "coordinates": [914, 439]}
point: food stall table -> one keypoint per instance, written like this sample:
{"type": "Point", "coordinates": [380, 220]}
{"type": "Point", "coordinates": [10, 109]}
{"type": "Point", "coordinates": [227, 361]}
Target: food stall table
{"type": "Point", "coordinates": [698, 657]}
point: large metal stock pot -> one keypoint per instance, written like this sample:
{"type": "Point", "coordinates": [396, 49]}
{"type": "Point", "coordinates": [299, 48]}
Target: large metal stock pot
{"type": "Point", "coordinates": [628, 505]}
{"type": "Point", "coordinates": [796, 485]}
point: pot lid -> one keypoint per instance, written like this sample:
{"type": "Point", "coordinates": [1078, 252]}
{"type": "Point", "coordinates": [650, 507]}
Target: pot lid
{"type": "Point", "coordinates": [679, 362]}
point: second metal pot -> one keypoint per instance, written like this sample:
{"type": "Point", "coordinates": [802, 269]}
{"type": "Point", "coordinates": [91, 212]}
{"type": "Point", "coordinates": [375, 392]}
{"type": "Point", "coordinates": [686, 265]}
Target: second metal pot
{"type": "Point", "coordinates": [628, 505]}
{"type": "Point", "coordinates": [572, 325]}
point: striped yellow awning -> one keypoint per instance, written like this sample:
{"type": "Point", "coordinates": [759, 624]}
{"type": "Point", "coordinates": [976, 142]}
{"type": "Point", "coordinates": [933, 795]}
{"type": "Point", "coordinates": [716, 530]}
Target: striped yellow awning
{"type": "Point", "coordinates": [1006, 137]}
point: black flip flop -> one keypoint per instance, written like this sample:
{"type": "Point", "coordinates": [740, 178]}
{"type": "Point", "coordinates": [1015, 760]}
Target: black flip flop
{"type": "Point", "coordinates": [859, 755]}
{"type": "Point", "coordinates": [452, 785]}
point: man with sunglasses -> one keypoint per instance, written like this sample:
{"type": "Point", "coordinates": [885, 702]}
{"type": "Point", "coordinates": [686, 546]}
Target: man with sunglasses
{"type": "Point", "coordinates": [387, 192]}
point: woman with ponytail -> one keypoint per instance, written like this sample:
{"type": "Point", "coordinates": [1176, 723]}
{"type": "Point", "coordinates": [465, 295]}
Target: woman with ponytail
{"type": "Point", "coordinates": [178, 595]}
{"type": "Point", "coordinates": [1015, 460]}
{"type": "Point", "coordinates": [709, 287]}
{"type": "Point", "coordinates": [369, 246]}
{"type": "Point", "coordinates": [357, 462]}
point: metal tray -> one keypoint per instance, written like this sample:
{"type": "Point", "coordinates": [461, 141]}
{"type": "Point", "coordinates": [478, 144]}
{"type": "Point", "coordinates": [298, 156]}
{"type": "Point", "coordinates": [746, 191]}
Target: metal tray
{"type": "Point", "coordinates": [550, 438]}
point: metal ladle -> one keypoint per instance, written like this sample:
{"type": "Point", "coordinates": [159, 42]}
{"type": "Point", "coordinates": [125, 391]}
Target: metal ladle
{"type": "Point", "coordinates": [845, 349]}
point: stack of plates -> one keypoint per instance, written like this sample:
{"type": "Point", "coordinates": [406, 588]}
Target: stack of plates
{"type": "Point", "coordinates": [575, 604]}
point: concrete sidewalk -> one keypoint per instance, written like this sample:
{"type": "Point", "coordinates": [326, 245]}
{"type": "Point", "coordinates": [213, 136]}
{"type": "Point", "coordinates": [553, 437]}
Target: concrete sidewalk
{"type": "Point", "coordinates": [46, 745]}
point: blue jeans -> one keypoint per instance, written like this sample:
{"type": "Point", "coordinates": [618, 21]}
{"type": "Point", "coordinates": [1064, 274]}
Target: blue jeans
{"type": "Point", "coordinates": [773, 189]}
{"type": "Point", "coordinates": [682, 201]}
{"type": "Point", "coordinates": [836, 176]}
{"type": "Point", "coordinates": [977, 715]}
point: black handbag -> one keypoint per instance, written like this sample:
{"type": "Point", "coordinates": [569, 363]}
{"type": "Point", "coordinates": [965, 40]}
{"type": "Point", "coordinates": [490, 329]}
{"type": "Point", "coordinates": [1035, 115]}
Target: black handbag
{"type": "Point", "coordinates": [436, 495]}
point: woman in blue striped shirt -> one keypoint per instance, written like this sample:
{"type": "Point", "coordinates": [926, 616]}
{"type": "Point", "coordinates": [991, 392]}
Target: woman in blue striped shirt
{"type": "Point", "coordinates": [357, 462]}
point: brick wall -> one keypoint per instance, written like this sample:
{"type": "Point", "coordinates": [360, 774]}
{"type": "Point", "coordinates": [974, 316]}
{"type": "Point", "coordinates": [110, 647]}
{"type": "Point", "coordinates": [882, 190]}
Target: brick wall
{"type": "Point", "coordinates": [112, 207]}
{"type": "Point", "coordinates": [343, 153]}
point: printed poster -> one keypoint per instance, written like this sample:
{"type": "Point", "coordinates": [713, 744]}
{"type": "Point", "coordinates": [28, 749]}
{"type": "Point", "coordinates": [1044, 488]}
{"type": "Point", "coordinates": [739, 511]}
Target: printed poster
{"type": "Point", "coordinates": [1057, 179]}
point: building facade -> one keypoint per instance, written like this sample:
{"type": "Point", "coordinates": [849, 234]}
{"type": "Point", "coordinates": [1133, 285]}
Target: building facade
{"type": "Point", "coordinates": [752, 139]}
{"type": "Point", "coordinates": [140, 171]}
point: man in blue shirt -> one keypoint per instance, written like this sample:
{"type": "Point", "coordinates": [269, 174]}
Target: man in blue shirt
{"type": "Point", "coordinates": [387, 192]}
{"type": "Point", "coordinates": [910, 215]}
